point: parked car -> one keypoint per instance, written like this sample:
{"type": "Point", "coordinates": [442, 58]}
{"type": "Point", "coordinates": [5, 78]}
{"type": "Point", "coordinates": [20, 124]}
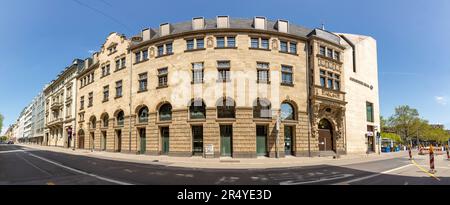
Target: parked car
{"type": "Point", "coordinates": [10, 142]}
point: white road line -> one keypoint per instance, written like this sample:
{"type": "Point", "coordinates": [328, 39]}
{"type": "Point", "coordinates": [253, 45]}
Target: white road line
{"type": "Point", "coordinates": [81, 172]}
{"type": "Point", "coordinates": [11, 151]}
{"type": "Point", "coordinates": [372, 176]}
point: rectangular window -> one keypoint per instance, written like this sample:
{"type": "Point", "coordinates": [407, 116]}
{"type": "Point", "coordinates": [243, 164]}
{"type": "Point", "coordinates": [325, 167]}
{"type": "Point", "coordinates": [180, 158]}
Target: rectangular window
{"type": "Point", "coordinates": [255, 43]}
{"type": "Point", "coordinates": [265, 43]}
{"type": "Point", "coordinates": [142, 82]}
{"type": "Point", "coordinates": [293, 48]}
{"type": "Point", "coordinates": [169, 49]}
{"type": "Point", "coordinates": [337, 82]}
{"type": "Point", "coordinates": [329, 53]}
{"type": "Point", "coordinates": [283, 46]}
{"type": "Point", "coordinates": [82, 102]}
{"type": "Point", "coordinates": [369, 112]}
{"type": "Point", "coordinates": [105, 93]}
{"type": "Point", "coordinates": [190, 44]}
{"type": "Point", "coordinates": [322, 50]}
{"type": "Point", "coordinates": [262, 72]}
{"type": "Point", "coordinates": [330, 83]}
{"type": "Point", "coordinates": [163, 77]}
{"type": "Point", "coordinates": [145, 55]}
{"type": "Point", "coordinates": [108, 69]}
{"type": "Point", "coordinates": [123, 63]}
{"type": "Point", "coordinates": [336, 55]}
{"type": "Point", "coordinates": [220, 42]}
{"type": "Point", "coordinates": [322, 78]}
{"type": "Point", "coordinates": [138, 57]}
{"type": "Point", "coordinates": [161, 50]}
{"type": "Point", "coordinates": [200, 43]}
{"type": "Point", "coordinates": [224, 71]}
{"type": "Point", "coordinates": [118, 64]}
{"type": "Point", "coordinates": [91, 99]}
{"type": "Point", "coordinates": [197, 73]}
{"type": "Point", "coordinates": [231, 42]}
{"type": "Point", "coordinates": [119, 89]}
{"type": "Point", "coordinates": [286, 75]}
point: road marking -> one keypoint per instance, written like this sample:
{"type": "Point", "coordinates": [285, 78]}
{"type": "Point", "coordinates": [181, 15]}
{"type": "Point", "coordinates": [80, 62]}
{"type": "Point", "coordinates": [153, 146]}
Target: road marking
{"type": "Point", "coordinates": [322, 179]}
{"type": "Point", "coordinates": [81, 172]}
{"type": "Point", "coordinates": [372, 176]}
{"type": "Point", "coordinates": [424, 170]}
{"type": "Point", "coordinates": [11, 151]}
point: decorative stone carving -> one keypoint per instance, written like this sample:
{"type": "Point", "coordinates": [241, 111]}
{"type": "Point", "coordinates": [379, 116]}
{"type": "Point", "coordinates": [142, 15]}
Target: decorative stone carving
{"type": "Point", "coordinates": [152, 52]}
{"type": "Point", "coordinates": [210, 42]}
{"type": "Point", "coordinates": [275, 44]}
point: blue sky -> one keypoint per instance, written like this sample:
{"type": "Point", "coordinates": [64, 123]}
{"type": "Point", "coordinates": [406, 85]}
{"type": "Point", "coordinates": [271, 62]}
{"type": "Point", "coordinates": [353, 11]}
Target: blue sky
{"type": "Point", "coordinates": [40, 38]}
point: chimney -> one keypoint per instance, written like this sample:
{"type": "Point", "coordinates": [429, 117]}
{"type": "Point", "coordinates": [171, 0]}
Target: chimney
{"type": "Point", "coordinates": [282, 26]}
{"type": "Point", "coordinates": [223, 22]}
{"type": "Point", "coordinates": [164, 29]}
{"type": "Point", "coordinates": [198, 23]}
{"type": "Point", "coordinates": [259, 23]}
{"type": "Point", "coordinates": [146, 34]}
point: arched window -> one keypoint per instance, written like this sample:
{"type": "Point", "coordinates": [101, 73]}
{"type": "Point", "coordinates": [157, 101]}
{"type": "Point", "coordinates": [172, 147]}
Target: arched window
{"type": "Point", "coordinates": [120, 118]}
{"type": "Point", "coordinates": [143, 115]}
{"type": "Point", "coordinates": [93, 122]}
{"type": "Point", "coordinates": [197, 109]}
{"type": "Point", "coordinates": [287, 111]}
{"type": "Point", "coordinates": [262, 109]}
{"type": "Point", "coordinates": [226, 108]}
{"type": "Point", "coordinates": [105, 120]}
{"type": "Point", "coordinates": [325, 124]}
{"type": "Point", "coordinates": [165, 112]}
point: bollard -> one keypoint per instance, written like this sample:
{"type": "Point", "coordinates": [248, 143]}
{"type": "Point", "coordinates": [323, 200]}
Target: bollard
{"type": "Point", "coordinates": [432, 170]}
{"type": "Point", "coordinates": [409, 152]}
{"type": "Point", "coordinates": [448, 155]}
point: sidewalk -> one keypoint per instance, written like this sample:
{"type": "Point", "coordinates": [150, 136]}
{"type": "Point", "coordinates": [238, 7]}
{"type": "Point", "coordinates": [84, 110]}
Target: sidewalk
{"type": "Point", "coordinates": [225, 163]}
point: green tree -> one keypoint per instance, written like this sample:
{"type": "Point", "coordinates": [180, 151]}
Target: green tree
{"type": "Point", "coordinates": [1, 122]}
{"type": "Point", "coordinates": [406, 122]}
{"type": "Point", "coordinates": [395, 137]}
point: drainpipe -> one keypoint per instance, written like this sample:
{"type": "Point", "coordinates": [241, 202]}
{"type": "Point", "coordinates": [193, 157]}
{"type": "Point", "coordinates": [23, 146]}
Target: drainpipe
{"type": "Point", "coordinates": [75, 113]}
{"type": "Point", "coordinates": [129, 105]}
{"type": "Point", "coordinates": [308, 91]}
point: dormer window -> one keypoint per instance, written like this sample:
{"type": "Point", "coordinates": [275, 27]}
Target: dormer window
{"type": "Point", "coordinates": [112, 49]}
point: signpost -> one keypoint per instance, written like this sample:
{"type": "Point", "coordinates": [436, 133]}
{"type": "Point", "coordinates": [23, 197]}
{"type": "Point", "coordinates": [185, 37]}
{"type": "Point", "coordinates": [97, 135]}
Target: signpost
{"type": "Point", "coordinates": [278, 124]}
{"type": "Point", "coordinates": [209, 150]}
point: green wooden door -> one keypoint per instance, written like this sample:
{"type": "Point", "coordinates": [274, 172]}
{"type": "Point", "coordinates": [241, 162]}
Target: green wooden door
{"type": "Point", "coordinates": [226, 131]}
{"type": "Point", "coordinates": [261, 140]}
{"type": "Point", "coordinates": [165, 140]}
{"type": "Point", "coordinates": [104, 141]}
{"type": "Point", "coordinates": [143, 141]}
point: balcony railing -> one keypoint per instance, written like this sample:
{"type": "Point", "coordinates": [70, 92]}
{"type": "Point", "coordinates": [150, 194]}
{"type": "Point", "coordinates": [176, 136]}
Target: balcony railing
{"type": "Point", "coordinates": [56, 105]}
{"type": "Point", "coordinates": [55, 121]}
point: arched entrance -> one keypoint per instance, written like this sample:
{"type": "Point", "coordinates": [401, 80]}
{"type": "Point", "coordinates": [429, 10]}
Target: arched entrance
{"type": "Point", "coordinates": [326, 139]}
{"type": "Point", "coordinates": [81, 139]}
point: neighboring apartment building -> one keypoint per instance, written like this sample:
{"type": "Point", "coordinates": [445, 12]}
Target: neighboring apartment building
{"type": "Point", "coordinates": [38, 119]}
{"type": "Point", "coordinates": [19, 134]}
{"type": "Point", "coordinates": [28, 123]}
{"type": "Point", "coordinates": [60, 111]}
{"type": "Point", "coordinates": [227, 88]}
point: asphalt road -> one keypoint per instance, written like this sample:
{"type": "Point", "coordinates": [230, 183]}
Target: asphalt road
{"type": "Point", "coordinates": [20, 165]}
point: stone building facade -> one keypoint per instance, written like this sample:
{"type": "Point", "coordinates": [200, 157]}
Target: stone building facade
{"type": "Point", "coordinates": [60, 107]}
{"type": "Point", "coordinates": [225, 88]}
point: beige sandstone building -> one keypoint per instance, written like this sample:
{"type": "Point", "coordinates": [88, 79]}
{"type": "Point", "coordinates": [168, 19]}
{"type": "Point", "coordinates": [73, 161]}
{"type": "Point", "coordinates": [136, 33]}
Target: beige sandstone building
{"type": "Point", "coordinates": [60, 113]}
{"type": "Point", "coordinates": [224, 88]}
